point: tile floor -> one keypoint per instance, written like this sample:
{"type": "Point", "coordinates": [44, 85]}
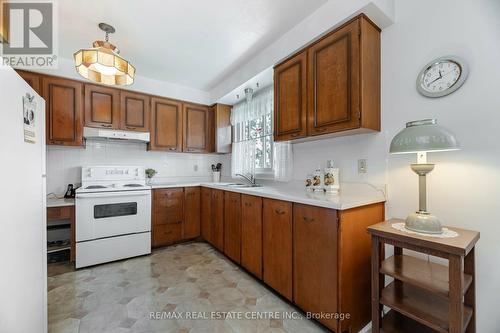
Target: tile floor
{"type": "Point", "coordinates": [189, 279]}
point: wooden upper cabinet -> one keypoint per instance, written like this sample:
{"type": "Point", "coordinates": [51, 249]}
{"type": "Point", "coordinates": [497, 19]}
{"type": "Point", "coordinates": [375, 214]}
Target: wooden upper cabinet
{"type": "Point", "coordinates": [135, 112]}
{"type": "Point", "coordinates": [192, 206]}
{"type": "Point", "coordinates": [64, 111]}
{"type": "Point", "coordinates": [166, 125]}
{"type": "Point", "coordinates": [222, 128]}
{"type": "Point", "coordinates": [32, 79]}
{"type": "Point", "coordinates": [277, 245]}
{"type": "Point", "coordinates": [218, 219]}
{"type": "Point", "coordinates": [334, 81]}
{"type": "Point", "coordinates": [102, 106]}
{"type": "Point", "coordinates": [206, 214]}
{"type": "Point", "coordinates": [232, 225]}
{"type": "Point", "coordinates": [315, 249]}
{"type": "Point", "coordinates": [195, 128]}
{"type": "Point", "coordinates": [340, 74]}
{"type": "Point", "coordinates": [251, 234]}
{"type": "Point", "coordinates": [290, 98]}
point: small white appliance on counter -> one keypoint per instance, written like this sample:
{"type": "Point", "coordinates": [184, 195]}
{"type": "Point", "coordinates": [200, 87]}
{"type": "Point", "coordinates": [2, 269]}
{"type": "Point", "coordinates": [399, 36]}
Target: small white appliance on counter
{"type": "Point", "coordinates": [113, 214]}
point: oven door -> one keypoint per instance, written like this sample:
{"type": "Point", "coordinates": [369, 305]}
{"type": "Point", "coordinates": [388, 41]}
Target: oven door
{"type": "Point", "coordinates": [108, 214]}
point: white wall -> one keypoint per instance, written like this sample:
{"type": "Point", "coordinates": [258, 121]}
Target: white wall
{"type": "Point", "coordinates": [64, 163]}
{"type": "Point", "coordinates": [464, 189]}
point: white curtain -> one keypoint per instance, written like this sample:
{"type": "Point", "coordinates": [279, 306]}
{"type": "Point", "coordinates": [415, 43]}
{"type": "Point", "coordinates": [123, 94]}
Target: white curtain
{"type": "Point", "coordinates": [283, 161]}
{"type": "Point", "coordinates": [251, 140]}
{"type": "Point", "coordinates": [243, 158]}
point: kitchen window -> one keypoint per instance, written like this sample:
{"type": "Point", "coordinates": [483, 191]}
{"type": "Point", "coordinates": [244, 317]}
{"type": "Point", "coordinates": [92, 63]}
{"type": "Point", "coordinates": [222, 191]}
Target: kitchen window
{"type": "Point", "coordinates": [253, 150]}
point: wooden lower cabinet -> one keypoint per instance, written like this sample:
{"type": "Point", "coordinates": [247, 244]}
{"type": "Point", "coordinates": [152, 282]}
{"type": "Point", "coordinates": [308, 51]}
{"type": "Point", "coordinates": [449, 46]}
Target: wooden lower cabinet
{"type": "Point", "coordinates": [218, 219]}
{"type": "Point", "coordinates": [251, 234]}
{"type": "Point", "coordinates": [206, 214]}
{"type": "Point", "coordinates": [277, 245]}
{"type": "Point", "coordinates": [192, 206]}
{"type": "Point", "coordinates": [232, 225]}
{"type": "Point", "coordinates": [315, 260]}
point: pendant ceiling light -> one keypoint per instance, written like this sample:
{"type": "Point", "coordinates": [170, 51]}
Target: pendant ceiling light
{"type": "Point", "coordinates": [102, 64]}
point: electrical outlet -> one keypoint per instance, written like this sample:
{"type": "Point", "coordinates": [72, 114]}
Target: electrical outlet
{"type": "Point", "coordinates": [362, 167]}
{"type": "Point", "coordinates": [195, 168]}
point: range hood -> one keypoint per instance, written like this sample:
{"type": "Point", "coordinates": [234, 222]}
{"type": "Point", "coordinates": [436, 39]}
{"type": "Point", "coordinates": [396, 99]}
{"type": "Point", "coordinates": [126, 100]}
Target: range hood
{"type": "Point", "coordinates": [101, 133]}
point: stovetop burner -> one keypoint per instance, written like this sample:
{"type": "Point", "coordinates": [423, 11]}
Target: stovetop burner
{"type": "Point", "coordinates": [133, 185]}
{"type": "Point", "coordinates": [94, 187]}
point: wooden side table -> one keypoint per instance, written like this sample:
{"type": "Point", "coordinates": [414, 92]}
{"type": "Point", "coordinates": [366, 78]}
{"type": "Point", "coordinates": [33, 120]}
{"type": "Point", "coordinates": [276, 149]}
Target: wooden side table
{"type": "Point", "coordinates": [424, 296]}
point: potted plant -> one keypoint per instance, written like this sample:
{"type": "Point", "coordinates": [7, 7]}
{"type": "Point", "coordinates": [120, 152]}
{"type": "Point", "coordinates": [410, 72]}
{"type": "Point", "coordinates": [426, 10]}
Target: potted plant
{"type": "Point", "coordinates": [150, 174]}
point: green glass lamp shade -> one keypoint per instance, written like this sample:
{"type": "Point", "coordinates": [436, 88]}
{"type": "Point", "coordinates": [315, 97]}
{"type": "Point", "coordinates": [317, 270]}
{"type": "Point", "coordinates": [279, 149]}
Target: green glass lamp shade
{"type": "Point", "coordinates": [423, 136]}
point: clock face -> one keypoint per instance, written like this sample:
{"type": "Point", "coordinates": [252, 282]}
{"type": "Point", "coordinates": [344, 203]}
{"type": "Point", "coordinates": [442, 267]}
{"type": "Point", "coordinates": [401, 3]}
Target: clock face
{"type": "Point", "coordinates": [441, 77]}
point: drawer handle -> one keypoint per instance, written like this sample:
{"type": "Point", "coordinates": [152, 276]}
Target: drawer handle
{"type": "Point", "coordinates": [321, 130]}
{"type": "Point", "coordinates": [172, 149]}
{"type": "Point", "coordinates": [56, 142]}
{"type": "Point", "coordinates": [294, 135]}
{"type": "Point", "coordinates": [308, 219]}
{"type": "Point", "coordinates": [106, 125]}
{"type": "Point", "coordinates": [279, 211]}
{"type": "Point", "coordinates": [131, 128]}
{"type": "Point", "coordinates": [190, 149]}
{"type": "Point", "coordinates": [248, 204]}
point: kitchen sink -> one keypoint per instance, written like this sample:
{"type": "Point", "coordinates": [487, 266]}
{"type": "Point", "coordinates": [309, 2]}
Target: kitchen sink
{"type": "Point", "coordinates": [240, 185]}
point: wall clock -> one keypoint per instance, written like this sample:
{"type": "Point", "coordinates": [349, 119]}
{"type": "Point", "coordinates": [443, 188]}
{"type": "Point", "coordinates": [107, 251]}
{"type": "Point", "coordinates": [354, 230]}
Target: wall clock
{"type": "Point", "coordinates": [442, 76]}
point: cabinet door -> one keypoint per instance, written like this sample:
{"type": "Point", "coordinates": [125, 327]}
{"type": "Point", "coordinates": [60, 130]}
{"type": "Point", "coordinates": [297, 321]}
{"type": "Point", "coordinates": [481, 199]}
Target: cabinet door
{"type": "Point", "coordinates": [333, 84]}
{"type": "Point", "coordinates": [315, 260]}
{"type": "Point", "coordinates": [251, 234]}
{"type": "Point", "coordinates": [168, 216]}
{"type": "Point", "coordinates": [191, 212]}
{"type": "Point", "coordinates": [32, 79]}
{"type": "Point", "coordinates": [166, 128]}
{"type": "Point", "coordinates": [134, 111]}
{"type": "Point", "coordinates": [206, 214]}
{"type": "Point", "coordinates": [277, 245]}
{"type": "Point", "coordinates": [195, 118]}
{"type": "Point", "coordinates": [290, 98]}
{"type": "Point", "coordinates": [232, 225]}
{"type": "Point", "coordinates": [218, 219]}
{"type": "Point", "coordinates": [222, 128]}
{"type": "Point", "coordinates": [64, 111]}
{"type": "Point", "coordinates": [102, 106]}
{"type": "Point", "coordinates": [169, 206]}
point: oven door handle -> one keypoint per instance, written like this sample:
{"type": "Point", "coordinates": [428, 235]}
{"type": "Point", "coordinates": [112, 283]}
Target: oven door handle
{"type": "Point", "coordinates": [112, 194]}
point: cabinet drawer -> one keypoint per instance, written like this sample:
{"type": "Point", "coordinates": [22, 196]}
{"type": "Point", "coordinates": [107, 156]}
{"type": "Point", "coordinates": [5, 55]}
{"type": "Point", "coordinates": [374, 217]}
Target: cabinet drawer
{"type": "Point", "coordinates": [59, 213]}
{"type": "Point", "coordinates": [167, 234]}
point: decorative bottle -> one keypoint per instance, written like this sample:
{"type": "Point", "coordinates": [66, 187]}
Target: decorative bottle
{"type": "Point", "coordinates": [316, 183]}
{"type": "Point", "coordinates": [331, 180]}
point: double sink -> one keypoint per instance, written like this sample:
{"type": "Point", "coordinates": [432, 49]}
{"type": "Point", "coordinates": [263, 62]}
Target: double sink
{"type": "Point", "coordinates": [239, 185]}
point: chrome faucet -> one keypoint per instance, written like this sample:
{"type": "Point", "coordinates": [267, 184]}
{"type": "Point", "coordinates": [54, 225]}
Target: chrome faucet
{"type": "Point", "coordinates": [250, 179]}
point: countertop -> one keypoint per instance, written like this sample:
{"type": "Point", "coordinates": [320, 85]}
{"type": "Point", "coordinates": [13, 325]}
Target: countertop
{"type": "Point", "coordinates": [351, 195]}
{"type": "Point", "coordinates": [53, 202]}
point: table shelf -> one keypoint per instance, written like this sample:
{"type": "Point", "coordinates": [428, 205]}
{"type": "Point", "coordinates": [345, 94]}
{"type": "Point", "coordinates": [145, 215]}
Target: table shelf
{"type": "Point", "coordinates": [421, 273]}
{"type": "Point", "coordinates": [394, 322]}
{"type": "Point", "coordinates": [420, 305]}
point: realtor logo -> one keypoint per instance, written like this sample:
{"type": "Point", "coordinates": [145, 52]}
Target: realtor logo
{"type": "Point", "coordinates": [30, 42]}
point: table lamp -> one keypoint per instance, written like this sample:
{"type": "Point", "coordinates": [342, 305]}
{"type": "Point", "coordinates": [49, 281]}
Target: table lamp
{"type": "Point", "coordinates": [421, 137]}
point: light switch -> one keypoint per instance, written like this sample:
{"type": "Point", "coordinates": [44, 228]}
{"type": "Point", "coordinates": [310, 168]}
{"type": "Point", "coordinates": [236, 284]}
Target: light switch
{"type": "Point", "coordinates": [362, 166]}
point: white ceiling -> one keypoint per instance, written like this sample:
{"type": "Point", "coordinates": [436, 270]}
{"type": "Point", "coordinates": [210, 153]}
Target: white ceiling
{"type": "Point", "coordinates": [195, 43]}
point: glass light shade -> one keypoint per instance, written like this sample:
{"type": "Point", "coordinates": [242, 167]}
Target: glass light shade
{"type": "Point", "coordinates": [102, 64]}
{"type": "Point", "coordinates": [423, 136]}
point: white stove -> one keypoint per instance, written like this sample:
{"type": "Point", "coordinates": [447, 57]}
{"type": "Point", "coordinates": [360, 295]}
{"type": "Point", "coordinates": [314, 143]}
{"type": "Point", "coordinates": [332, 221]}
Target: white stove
{"type": "Point", "coordinates": [113, 214]}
